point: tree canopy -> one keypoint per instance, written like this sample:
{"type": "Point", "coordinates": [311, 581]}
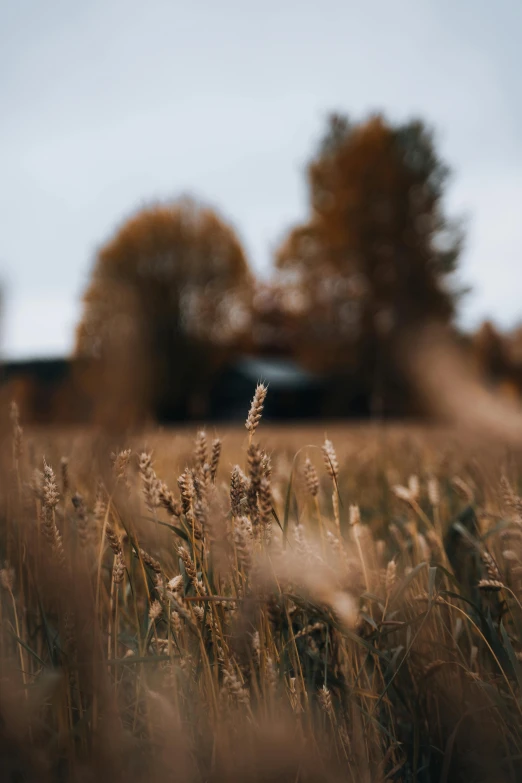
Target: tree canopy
{"type": "Point", "coordinates": [375, 255]}
{"type": "Point", "coordinates": [171, 296]}
{"type": "Point", "coordinates": [168, 298]}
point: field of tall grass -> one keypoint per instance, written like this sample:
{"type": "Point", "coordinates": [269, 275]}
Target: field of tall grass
{"type": "Point", "coordinates": [281, 604]}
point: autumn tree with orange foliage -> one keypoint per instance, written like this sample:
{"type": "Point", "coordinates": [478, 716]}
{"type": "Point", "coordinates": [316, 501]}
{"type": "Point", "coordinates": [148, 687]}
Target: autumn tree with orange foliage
{"type": "Point", "coordinates": [372, 261]}
{"type": "Point", "coordinates": [167, 302]}
{"type": "Point", "coordinates": [490, 352]}
{"type": "Point", "coordinates": [498, 358]}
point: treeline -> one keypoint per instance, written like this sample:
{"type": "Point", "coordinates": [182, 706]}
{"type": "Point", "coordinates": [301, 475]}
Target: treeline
{"type": "Point", "coordinates": [498, 358]}
{"type": "Point", "coordinates": [172, 299]}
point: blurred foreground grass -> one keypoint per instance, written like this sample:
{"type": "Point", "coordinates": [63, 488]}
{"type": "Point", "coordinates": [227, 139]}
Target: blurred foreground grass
{"type": "Point", "coordinates": [290, 603]}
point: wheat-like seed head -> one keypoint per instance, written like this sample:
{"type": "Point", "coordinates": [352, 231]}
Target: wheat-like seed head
{"type": "Point", "coordinates": [330, 459]}
{"type": "Point", "coordinates": [325, 700]}
{"type": "Point", "coordinates": [215, 454]}
{"type": "Point", "coordinates": [414, 486]}
{"type": "Point", "coordinates": [256, 408]}
{"type": "Point", "coordinates": [238, 490]}
{"type": "Point", "coordinates": [201, 450]}
{"type": "Point", "coordinates": [311, 478]}
{"type": "Point", "coordinates": [266, 465]}
{"type": "Point", "coordinates": [391, 576]}
{"type": "Point", "coordinates": [403, 493]}
{"type": "Point", "coordinates": [150, 481]}
{"type": "Point", "coordinates": [176, 624]}
{"type": "Point", "coordinates": [190, 568]}
{"type": "Point", "coordinates": [234, 685]}
{"type": "Point", "coordinates": [120, 463]}
{"type": "Point", "coordinates": [113, 539]}
{"type": "Point", "coordinates": [265, 508]}
{"type": "Point", "coordinates": [434, 491]}
{"type": "Point", "coordinates": [7, 578]}
{"type": "Point", "coordinates": [243, 542]}
{"type": "Point", "coordinates": [118, 568]}
{"type": "Point", "coordinates": [168, 501]}
{"type": "Point", "coordinates": [175, 584]}
{"type": "Point", "coordinates": [150, 561]}
{"type": "Point", "coordinates": [463, 489]}
{"type": "Point", "coordinates": [355, 516]}
{"type": "Point", "coordinates": [492, 568]}
{"type": "Point", "coordinates": [49, 527]}
{"type": "Point", "coordinates": [187, 490]}
{"type": "Point", "coordinates": [155, 611]}
{"type": "Point", "coordinates": [50, 489]}
{"type": "Point", "coordinates": [493, 585]}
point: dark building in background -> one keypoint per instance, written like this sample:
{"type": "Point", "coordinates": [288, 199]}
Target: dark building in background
{"type": "Point", "coordinates": [50, 390]}
{"type": "Point", "coordinates": [56, 391]}
{"type": "Point", "coordinates": [35, 384]}
{"type": "Point", "coordinates": [294, 393]}
{"type": "Point", "coordinates": [46, 390]}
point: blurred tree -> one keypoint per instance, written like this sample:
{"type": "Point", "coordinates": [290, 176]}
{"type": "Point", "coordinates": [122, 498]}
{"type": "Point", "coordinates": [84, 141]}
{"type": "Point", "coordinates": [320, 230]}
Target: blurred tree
{"type": "Point", "coordinates": [167, 302]}
{"type": "Point", "coordinates": [490, 352]}
{"type": "Point", "coordinates": [373, 259]}
{"type": "Point", "coordinates": [498, 358]}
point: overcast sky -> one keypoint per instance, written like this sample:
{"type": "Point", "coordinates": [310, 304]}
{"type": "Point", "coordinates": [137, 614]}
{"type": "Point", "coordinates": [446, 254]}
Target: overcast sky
{"type": "Point", "coordinates": [108, 104]}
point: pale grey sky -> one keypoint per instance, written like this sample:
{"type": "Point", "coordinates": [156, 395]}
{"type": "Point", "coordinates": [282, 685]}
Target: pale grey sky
{"type": "Point", "coordinates": [108, 104]}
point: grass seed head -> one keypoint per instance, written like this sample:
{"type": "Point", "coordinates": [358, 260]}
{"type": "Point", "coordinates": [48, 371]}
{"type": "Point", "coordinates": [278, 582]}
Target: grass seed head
{"type": "Point", "coordinates": [330, 459]}
{"type": "Point", "coordinates": [311, 478]}
{"type": "Point", "coordinates": [215, 454]}
{"type": "Point", "coordinates": [256, 408]}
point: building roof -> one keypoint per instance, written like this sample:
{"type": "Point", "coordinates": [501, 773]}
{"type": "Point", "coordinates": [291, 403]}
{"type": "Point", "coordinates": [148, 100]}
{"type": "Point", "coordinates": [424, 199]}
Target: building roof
{"type": "Point", "coordinates": [275, 371]}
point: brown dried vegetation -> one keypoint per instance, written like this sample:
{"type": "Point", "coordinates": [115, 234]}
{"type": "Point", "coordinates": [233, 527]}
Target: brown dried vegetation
{"type": "Point", "coordinates": [255, 623]}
